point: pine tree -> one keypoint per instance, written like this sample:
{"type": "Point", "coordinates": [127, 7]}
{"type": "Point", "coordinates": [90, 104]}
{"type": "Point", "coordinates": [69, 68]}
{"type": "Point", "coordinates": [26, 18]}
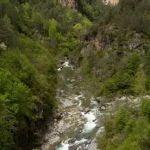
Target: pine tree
{"type": "Point", "coordinates": [139, 82]}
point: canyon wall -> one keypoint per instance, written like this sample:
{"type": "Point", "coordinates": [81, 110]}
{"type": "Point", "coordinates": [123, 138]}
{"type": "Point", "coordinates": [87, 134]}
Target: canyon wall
{"type": "Point", "coordinates": [68, 3]}
{"type": "Point", "coordinates": [112, 2]}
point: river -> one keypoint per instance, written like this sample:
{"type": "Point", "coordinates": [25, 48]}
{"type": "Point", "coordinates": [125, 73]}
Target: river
{"type": "Point", "coordinates": [83, 140]}
{"type": "Point", "coordinates": [79, 126]}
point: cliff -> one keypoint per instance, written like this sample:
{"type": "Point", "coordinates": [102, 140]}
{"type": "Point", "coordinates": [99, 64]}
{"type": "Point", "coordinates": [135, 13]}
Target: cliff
{"type": "Point", "coordinates": [68, 3]}
{"type": "Point", "coordinates": [112, 2]}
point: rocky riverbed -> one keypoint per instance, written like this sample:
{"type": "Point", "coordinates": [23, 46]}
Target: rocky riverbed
{"type": "Point", "coordinates": [75, 126]}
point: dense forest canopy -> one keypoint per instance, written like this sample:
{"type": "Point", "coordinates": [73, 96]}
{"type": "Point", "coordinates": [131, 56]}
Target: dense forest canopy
{"type": "Point", "coordinates": [33, 34]}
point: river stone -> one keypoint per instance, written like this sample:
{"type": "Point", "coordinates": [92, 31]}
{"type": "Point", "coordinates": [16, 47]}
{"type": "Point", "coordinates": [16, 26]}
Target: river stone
{"type": "Point", "coordinates": [92, 145]}
{"type": "Point", "coordinates": [3, 46]}
{"type": "Point", "coordinates": [103, 108]}
{"type": "Point", "coordinates": [54, 139]}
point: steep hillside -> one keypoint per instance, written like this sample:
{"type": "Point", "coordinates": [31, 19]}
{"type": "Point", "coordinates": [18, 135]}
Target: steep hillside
{"type": "Point", "coordinates": [115, 62]}
{"type": "Point", "coordinates": [33, 35]}
{"type": "Point", "coordinates": [117, 49]}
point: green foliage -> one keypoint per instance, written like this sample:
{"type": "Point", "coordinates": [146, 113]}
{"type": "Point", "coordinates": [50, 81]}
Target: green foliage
{"type": "Point", "coordinates": [127, 130]}
{"type": "Point", "coordinates": [132, 15]}
{"type": "Point", "coordinates": [139, 86]}
{"type": "Point", "coordinates": [122, 81]}
{"type": "Point", "coordinates": [78, 27]}
{"type": "Point", "coordinates": [27, 73]}
{"type": "Point", "coordinates": [16, 104]}
{"type": "Point", "coordinates": [91, 9]}
{"type": "Point", "coordinates": [18, 65]}
{"type": "Point", "coordinates": [127, 14]}
{"type": "Point", "coordinates": [121, 119]}
{"type": "Point", "coordinates": [145, 108]}
{"type": "Point", "coordinates": [52, 28]}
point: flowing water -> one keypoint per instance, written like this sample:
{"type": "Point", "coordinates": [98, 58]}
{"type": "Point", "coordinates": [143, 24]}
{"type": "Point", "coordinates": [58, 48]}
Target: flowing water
{"type": "Point", "coordinates": [83, 138]}
{"type": "Point", "coordinates": [86, 138]}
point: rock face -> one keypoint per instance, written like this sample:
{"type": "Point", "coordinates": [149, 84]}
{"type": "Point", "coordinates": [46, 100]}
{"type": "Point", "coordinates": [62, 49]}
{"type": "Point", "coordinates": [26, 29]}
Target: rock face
{"type": "Point", "coordinates": [3, 46]}
{"type": "Point", "coordinates": [72, 3]}
{"type": "Point", "coordinates": [68, 3]}
{"type": "Point", "coordinates": [112, 2]}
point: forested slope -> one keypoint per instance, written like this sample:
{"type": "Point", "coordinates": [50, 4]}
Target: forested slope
{"type": "Point", "coordinates": [117, 47]}
{"type": "Point", "coordinates": [33, 34]}
{"type": "Point", "coordinates": [116, 61]}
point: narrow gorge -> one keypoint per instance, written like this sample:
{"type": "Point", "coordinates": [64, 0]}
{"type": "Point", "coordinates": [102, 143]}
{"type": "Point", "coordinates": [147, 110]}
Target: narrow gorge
{"type": "Point", "coordinates": [79, 126]}
{"type": "Point", "coordinates": [74, 74]}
